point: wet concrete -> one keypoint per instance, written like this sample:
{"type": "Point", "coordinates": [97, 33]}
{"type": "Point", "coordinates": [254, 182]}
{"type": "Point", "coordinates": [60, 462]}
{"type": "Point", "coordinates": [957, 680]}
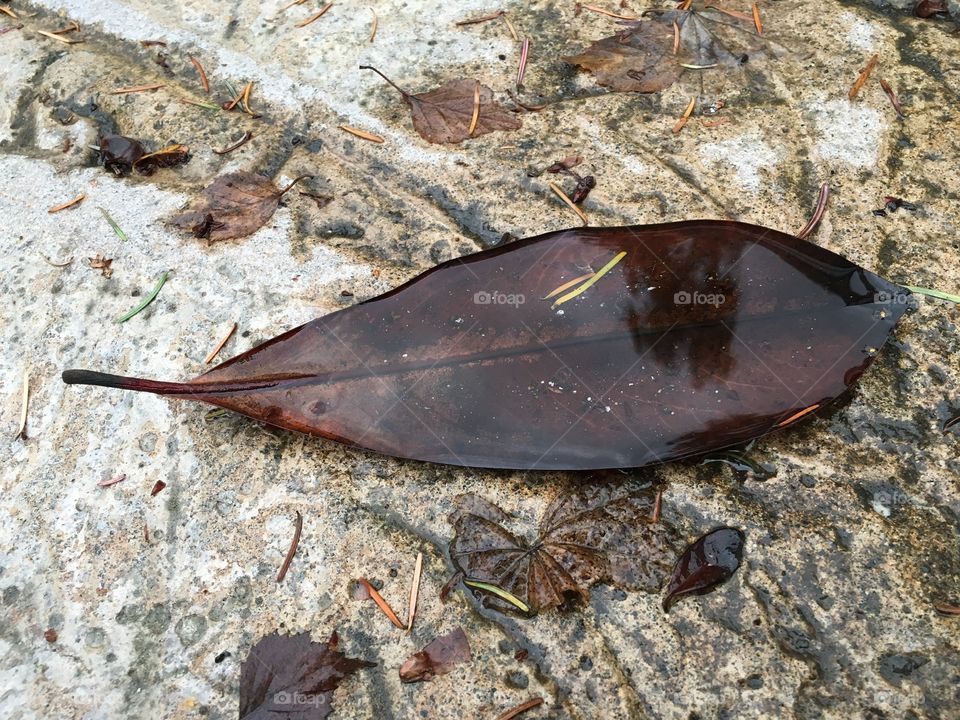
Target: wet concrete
{"type": "Point", "coordinates": [157, 600]}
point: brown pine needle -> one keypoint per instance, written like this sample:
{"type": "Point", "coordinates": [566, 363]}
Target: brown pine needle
{"type": "Point", "coordinates": [757, 22]}
{"type": "Point", "coordinates": [414, 591]}
{"type": "Point", "coordinates": [568, 284]}
{"type": "Point", "coordinates": [51, 263]}
{"type": "Point", "coordinates": [8, 11]}
{"type": "Point", "coordinates": [216, 351]}
{"type": "Point", "coordinates": [864, 75]}
{"type": "Point", "coordinates": [822, 198]}
{"type": "Point", "coordinates": [892, 96]}
{"type": "Point", "coordinates": [70, 203]}
{"type": "Point", "coordinates": [592, 281]}
{"type": "Point", "coordinates": [715, 123]}
{"type": "Point", "coordinates": [74, 26]}
{"type": "Point", "coordinates": [563, 196]}
{"type": "Point", "coordinates": [54, 36]}
{"type": "Point", "coordinates": [657, 505]}
{"type": "Point", "coordinates": [676, 37]}
{"type": "Point", "coordinates": [293, 548]}
{"type": "Point", "coordinates": [237, 98]}
{"type": "Point", "coordinates": [239, 143]}
{"type": "Point", "coordinates": [608, 13]}
{"type": "Point", "coordinates": [315, 16]}
{"type": "Point", "coordinates": [521, 708]}
{"type": "Point", "coordinates": [22, 428]}
{"type": "Point", "coordinates": [112, 481]}
{"type": "Point", "coordinates": [373, 25]}
{"type": "Point", "coordinates": [381, 603]}
{"type": "Point", "coordinates": [245, 98]}
{"type": "Point", "coordinates": [136, 89]}
{"type": "Point", "coordinates": [485, 18]}
{"type": "Point", "coordinates": [208, 106]}
{"type": "Point", "coordinates": [731, 13]}
{"type": "Point", "coordinates": [522, 68]}
{"type": "Point", "coordinates": [201, 73]}
{"type": "Point", "coordinates": [476, 109]}
{"type": "Point", "coordinates": [946, 609]}
{"type": "Point", "coordinates": [797, 415]}
{"type": "Point", "coordinates": [686, 116]}
{"type": "Point", "coordinates": [511, 28]}
{"type": "Point", "coordinates": [362, 134]}
{"type": "Point", "coordinates": [291, 4]}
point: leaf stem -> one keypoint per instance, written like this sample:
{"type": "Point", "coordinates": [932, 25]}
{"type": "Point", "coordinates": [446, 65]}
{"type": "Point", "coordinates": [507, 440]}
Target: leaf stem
{"type": "Point", "coordinates": [391, 82]}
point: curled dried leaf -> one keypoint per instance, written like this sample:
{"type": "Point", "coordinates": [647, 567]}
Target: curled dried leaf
{"type": "Point", "coordinates": [165, 157]}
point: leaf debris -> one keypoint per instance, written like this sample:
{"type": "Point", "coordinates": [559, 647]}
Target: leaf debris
{"type": "Point", "coordinates": [685, 117]}
{"type": "Point", "coordinates": [216, 351]}
{"type": "Point", "coordinates": [569, 203]}
{"type": "Point", "coordinates": [946, 609]}
{"type": "Point", "coordinates": [362, 134]}
{"type": "Point", "coordinates": [157, 487]}
{"type": "Point", "coordinates": [137, 88]}
{"type": "Point", "coordinates": [54, 36]}
{"type": "Point", "coordinates": [101, 263]}
{"type": "Point", "coordinates": [203, 75]}
{"type": "Point", "coordinates": [756, 19]}
{"type": "Point", "coordinates": [373, 25]}
{"type": "Point", "coordinates": [294, 543]}
{"type": "Point", "coordinates": [118, 478]}
{"type": "Point", "coordinates": [439, 657]}
{"type": "Point", "coordinates": [522, 67]}
{"type": "Point", "coordinates": [864, 76]}
{"type": "Point", "coordinates": [316, 16]}
{"type": "Point", "coordinates": [520, 709]}
{"type": "Point", "coordinates": [499, 592]}
{"type": "Point", "coordinates": [822, 197]}
{"type": "Point", "coordinates": [69, 203]}
{"type": "Point", "coordinates": [706, 563]}
{"type": "Point", "coordinates": [247, 136]}
{"type": "Point", "coordinates": [591, 280]}
{"type": "Point", "coordinates": [147, 300]}
{"type": "Point", "coordinates": [608, 13]}
{"type": "Point", "coordinates": [892, 96]}
{"type": "Point", "coordinates": [381, 603]}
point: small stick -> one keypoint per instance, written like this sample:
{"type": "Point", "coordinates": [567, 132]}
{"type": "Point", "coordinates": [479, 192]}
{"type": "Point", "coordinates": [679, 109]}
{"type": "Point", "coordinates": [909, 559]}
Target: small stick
{"type": "Point", "coordinates": [608, 13]}
{"type": "Point", "coordinates": [315, 16]}
{"type": "Point", "coordinates": [239, 143]}
{"type": "Point", "coordinates": [293, 547]}
{"type": "Point", "coordinates": [120, 477]}
{"type": "Point", "coordinates": [686, 116]}
{"type": "Point", "coordinates": [476, 109]}
{"type": "Point", "coordinates": [822, 198]}
{"type": "Point", "coordinates": [62, 39]}
{"type": "Point", "coordinates": [757, 22]}
{"type": "Point", "coordinates": [70, 203]}
{"type": "Point", "coordinates": [216, 351]}
{"type": "Point", "coordinates": [563, 196]}
{"type": "Point", "coordinates": [362, 134]}
{"type": "Point", "coordinates": [201, 73]}
{"type": "Point", "coordinates": [864, 75]}
{"type": "Point", "coordinates": [381, 603]}
{"type": "Point", "coordinates": [657, 504]}
{"type": "Point", "coordinates": [522, 69]}
{"type": "Point", "coordinates": [136, 89]}
{"type": "Point", "coordinates": [521, 708]}
{"type": "Point", "coordinates": [511, 28]}
{"type": "Point", "coordinates": [22, 430]}
{"type": "Point", "coordinates": [414, 591]}
{"type": "Point", "coordinates": [894, 100]}
{"type": "Point", "coordinates": [373, 25]}
{"type": "Point", "coordinates": [485, 18]}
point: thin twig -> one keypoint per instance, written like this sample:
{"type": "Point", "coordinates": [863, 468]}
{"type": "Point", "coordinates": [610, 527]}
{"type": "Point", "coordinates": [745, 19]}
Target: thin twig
{"type": "Point", "coordinates": [216, 351]}
{"type": "Point", "coordinates": [22, 427]}
{"type": "Point", "coordinates": [414, 591]}
{"type": "Point", "coordinates": [822, 198]}
{"type": "Point", "coordinates": [373, 25]}
{"type": "Point", "coordinates": [62, 39]}
{"type": "Point", "coordinates": [686, 116]}
{"type": "Point", "coordinates": [245, 98]}
{"type": "Point", "coordinates": [522, 68]}
{"type": "Point", "coordinates": [136, 89]}
{"type": "Point", "coordinates": [757, 22]}
{"type": "Point", "coordinates": [521, 708]}
{"type": "Point", "coordinates": [201, 73]}
{"type": "Point", "coordinates": [362, 134]}
{"type": "Point", "coordinates": [476, 109]}
{"type": "Point", "coordinates": [892, 96]}
{"type": "Point", "coordinates": [293, 547]}
{"type": "Point", "coordinates": [70, 203]}
{"type": "Point", "coordinates": [511, 28]}
{"type": "Point", "coordinates": [315, 16]}
{"type": "Point", "coordinates": [608, 13]}
{"type": "Point", "coordinates": [566, 199]}
{"type": "Point", "coordinates": [381, 603]}
{"type": "Point", "coordinates": [239, 143]}
{"type": "Point", "coordinates": [864, 75]}
{"type": "Point", "coordinates": [485, 18]}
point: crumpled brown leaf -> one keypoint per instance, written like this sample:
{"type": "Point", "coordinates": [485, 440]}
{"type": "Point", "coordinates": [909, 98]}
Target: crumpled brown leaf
{"type": "Point", "coordinates": [101, 263]}
{"type": "Point", "coordinates": [437, 658]}
{"type": "Point", "coordinates": [444, 115]}
{"type": "Point", "coordinates": [234, 205]}
{"type": "Point", "coordinates": [641, 58]}
{"type": "Point", "coordinates": [165, 157]}
{"type": "Point", "coordinates": [599, 532]}
{"type": "Point", "coordinates": [289, 677]}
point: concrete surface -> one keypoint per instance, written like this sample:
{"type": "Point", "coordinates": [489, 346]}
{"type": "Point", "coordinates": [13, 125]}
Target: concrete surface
{"type": "Point", "coordinates": [848, 547]}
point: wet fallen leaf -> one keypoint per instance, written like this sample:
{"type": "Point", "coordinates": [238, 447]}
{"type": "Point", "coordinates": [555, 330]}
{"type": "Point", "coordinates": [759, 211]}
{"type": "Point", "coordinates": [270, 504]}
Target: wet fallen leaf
{"type": "Point", "coordinates": [290, 677]}
{"type": "Point", "coordinates": [705, 564]}
{"type": "Point", "coordinates": [101, 263]}
{"type": "Point", "coordinates": [234, 205]}
{"type": "Point", "coordinates": [447, 114]}
{"type": "Point", "coordinates": [437, 658]}
{"type": "Point", "coordinates": [118, 153]}
{"type": "Point", "coordinates": [165, 157]}
{"type": "Point", "coordinates": [697, 337]}
{"type": "Point", "coordinates": [602, 531]}
{"type": "Point", "coordinates": [929, 8]}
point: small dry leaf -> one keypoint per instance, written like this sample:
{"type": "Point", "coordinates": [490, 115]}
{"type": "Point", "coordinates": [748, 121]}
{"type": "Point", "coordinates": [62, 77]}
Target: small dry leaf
{"type": "Point", "coordinates": [446, 114]}
{"type": "Point", "coordinates": [101, 263]}
{"type": "Point", "coordinates": [293, 678]}
{"type": "Point", "coordinates": [437, 658]}
{"type": "Point", "coordinates": [234, 205]}
{"type": "Point", "coordinates": [165, 157]}
{"type": "Point", "coordinates": [603, 531]}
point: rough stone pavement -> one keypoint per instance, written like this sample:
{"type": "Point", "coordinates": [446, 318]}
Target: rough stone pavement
{"type": "Point", "coordinates": [849, 546]}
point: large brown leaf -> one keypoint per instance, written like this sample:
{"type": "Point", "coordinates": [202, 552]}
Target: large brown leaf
{"type": "Point", "coordinates": [288, 677]}
{"type": "Point", "coordinates": [233, 206]}
{"type": "Point", "coordinates": [604, 531]}
{"type": "Point", "coordinates": [700, 336]}
{"type": "Point", "coordinates": [445, 115]}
